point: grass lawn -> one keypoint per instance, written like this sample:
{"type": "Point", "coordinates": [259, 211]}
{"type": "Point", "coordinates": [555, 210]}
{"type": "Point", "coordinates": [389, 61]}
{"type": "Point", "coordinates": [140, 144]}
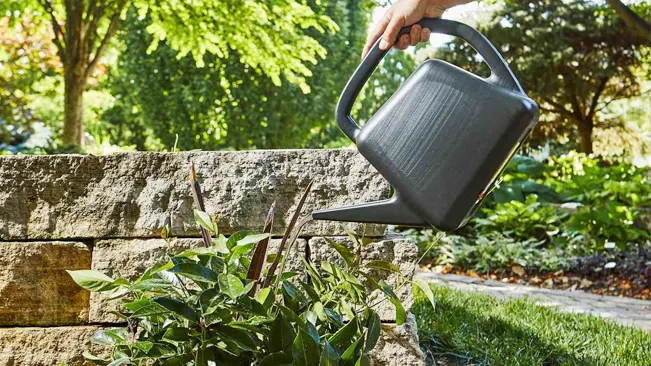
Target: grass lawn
{"type": "Point", "coordinates": [476, 329]}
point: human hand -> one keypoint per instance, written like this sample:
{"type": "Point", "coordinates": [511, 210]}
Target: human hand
{"type": "Point", "coordinates": [404, 13]}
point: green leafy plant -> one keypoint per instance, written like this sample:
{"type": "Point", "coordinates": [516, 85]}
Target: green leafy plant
{"type": "Point", "coordinates": [496, 252]}
{"type": "Point", "coordinates": [611, 222]}
{"type": "Point", "coordinates": [523, 220]}
{"type": "Point", "coordinates": [592, 181]}
{"type": "Point", "coordinates": [216, 304]}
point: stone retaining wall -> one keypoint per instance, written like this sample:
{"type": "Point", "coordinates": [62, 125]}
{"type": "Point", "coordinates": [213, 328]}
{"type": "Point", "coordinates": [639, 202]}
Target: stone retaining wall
{"type": "Point", "coordinates": [106, 213]}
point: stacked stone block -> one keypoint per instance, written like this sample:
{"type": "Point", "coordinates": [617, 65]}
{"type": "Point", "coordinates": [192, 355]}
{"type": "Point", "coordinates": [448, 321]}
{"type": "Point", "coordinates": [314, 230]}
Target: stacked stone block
{"type": "Point", "coordinates": [71, 212]}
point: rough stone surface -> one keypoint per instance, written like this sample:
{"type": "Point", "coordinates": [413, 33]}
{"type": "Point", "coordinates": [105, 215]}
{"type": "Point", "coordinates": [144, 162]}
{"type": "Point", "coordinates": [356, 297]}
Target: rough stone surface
{"type": "Point", "coordinates": [34, 286]}
{"type": "Point", "coordinates": [130, 258]}
{"type": "Point", "coordinates": [135, 194]}
{"type": "Point", "coordinates": [397, 250]}
{"type": "Point", "coordinates": [46, 346]}
{"type": "Point", "coordinates": [398, 346]}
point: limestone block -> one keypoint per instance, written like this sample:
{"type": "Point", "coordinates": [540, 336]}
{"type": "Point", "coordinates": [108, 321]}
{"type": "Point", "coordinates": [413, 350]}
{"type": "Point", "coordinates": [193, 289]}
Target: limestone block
{"type": "Point", "coordinates": [133, 195]}
{"type": "Point", "coordinates": [398, 346]}
{"type": "Point", "coordinates": [34, 286]}
{"type": "Point", "coordinates": [47, 346]}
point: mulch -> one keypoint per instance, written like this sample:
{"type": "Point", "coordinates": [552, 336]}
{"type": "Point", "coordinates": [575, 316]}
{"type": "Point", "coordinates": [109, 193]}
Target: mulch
{"type": "Point", "coordinates": [610, 283]}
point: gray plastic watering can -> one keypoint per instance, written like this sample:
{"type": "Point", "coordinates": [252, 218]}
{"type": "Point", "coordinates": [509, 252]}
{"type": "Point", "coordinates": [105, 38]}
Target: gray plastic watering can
{"type": "Point", "coordinates": [442, 140]}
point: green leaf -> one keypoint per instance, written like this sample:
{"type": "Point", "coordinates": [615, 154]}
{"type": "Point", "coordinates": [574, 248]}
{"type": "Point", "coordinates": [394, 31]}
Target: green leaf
{"type": "Point", "coordinates": [231, 285]}
{"type": "Point", "coordinates": [329, 356]}
{"type": "Point", "coordinates": [144, 346]}
{"type": "Point", "coordinates": [177, 334]}
{"type": "Point", "coordinates": [244, 339]}
{"type": "Point", "coordinates": [252, 239]}
{"type": "Point", "coordinates": [158, 267]}
{"type": "Point", "coordinates": [277, 359]}
{"type": "Point", "coordinates": [96, 281]}
{"type": "Point", "coordinates": [374, 327]}
{"type": "Point", "coordinates": [424, 286]}
{"type": "Point", "coordinates": [161, 350]}
{"type": "Point", "coordinates": [204, 220]}
{"type": "Point", "coordinates": [343, 251]}
{"type": "Point", "coordinates": [119, 361]}
{"type": "Point", "coordinates": [233, 239]}
{"type": "Point", "coordinates": [318, 309]}
{"type": "Point", "coordinates": [179, 307]}
{"type": "Point", "coordinates": [363, 361]}
{"type": "Point", "coordinates": [306, 352]}
{"type": "Point", "coordinates": [287, 275]}
{"type": "Point", "coordinates": [353, 351]}
{"type": "Point", "coordinates": [151, 284]}
{"type": "Point", "coordinates": [90, 357]}
{"type": "Point", "coordinates": [311, 292]}
{"type": "Point", "coordinates": [219, 244]}
{"type": "Point", "coordinates": [370, 281]}
{"type": "Point", "coordinates": [283, 334]}
{"type": "Point", "coordinates": [312, 332]}
{"type": "Point", "coordinates": [240, 250]}
{"type": "Point", "coordinates": [195, 272]}
{"type": "Point", "coordinates": [383, 265]}
{"type": "Point", "coordinates": [401, 314]}
{"type": "Point", "coordinates": [344, 336]}
{"type": "Point", "coordinates": [181, 360]}
{"type": "Point", "coordinates": [334, 317]}
{"type": "Point", "coordinates": [110, 336]}
{"type": "Point", "coordinates": [265, 297]}
{"type": "Point", "coordinates": [144, 308]}
{"type": "Point", "coordinates": [201, 358]}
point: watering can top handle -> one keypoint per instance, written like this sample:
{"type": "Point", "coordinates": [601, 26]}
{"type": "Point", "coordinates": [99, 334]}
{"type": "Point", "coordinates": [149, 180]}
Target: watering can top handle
{"type": "Point", "coordinates": [500, 72]}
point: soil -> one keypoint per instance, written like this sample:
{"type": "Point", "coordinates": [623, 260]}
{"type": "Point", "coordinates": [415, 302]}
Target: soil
{"type": "Point", "coordinates": [611, 283]}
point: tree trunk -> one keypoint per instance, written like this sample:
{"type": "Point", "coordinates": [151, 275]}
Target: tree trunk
{"type": "Point", "coordinates": [73, 120]}
{"type": "Point", "coordinates": [585, 133]}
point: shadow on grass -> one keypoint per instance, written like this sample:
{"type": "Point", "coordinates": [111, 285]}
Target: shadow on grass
{"type": "Point", "coordinates": [471, 329]}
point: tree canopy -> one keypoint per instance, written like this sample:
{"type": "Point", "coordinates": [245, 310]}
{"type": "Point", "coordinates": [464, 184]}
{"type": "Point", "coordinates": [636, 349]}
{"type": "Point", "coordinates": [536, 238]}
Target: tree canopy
{"type": "Point", "coordinates": [270, 37]}
{"type": "Point", "coordinates": [228, 104]}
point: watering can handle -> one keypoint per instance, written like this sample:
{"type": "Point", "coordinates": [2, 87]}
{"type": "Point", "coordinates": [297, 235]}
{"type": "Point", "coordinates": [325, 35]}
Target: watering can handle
{"type": "Point", "coordinates": [500, 72]}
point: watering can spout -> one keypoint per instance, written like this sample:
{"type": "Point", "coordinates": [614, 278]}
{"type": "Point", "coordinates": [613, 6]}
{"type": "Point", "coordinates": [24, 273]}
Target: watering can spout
{"type": "Point", "coordinates": [390, 211]}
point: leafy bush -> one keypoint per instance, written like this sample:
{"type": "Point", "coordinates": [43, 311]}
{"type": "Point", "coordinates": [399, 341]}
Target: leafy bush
{"type": "Point", "coordinates": [521, 220]}
{"type": "Point", "coordinates": [582, 178]}
{"type": "Point", "coordinates": [603, 224]}
{"type": "Point", "coordinates": [215, 305]}
{"type": "Point", "coordinates": [495, 252]}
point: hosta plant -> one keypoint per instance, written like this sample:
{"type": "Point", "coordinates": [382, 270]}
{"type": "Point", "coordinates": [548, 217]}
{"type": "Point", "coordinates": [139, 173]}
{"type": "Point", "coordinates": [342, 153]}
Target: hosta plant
{"type": "Point", "coordinates": [215, 305]}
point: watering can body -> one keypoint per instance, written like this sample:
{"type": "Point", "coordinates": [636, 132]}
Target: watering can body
{"type": "Point", "coordinates": [441, 140]}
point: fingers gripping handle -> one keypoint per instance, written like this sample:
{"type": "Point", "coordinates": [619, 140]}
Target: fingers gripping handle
{"type": "Point", "coordinates": [500, 72]}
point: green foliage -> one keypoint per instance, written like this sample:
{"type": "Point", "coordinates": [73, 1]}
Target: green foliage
{"type": "Point", "coordinates": [496, 252]}
{"type": "Point", "coordinates": [480, 329]}
{"type": "Point", "coordinates": [200, 307]}
{"type": "Point", "coordinates": [228, 104]}
{"type": "Point", "coordinates": [529, 219]}
{"type": "Point", "coordinates": [591, 181]}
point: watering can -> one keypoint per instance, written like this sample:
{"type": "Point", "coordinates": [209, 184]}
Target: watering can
{"type": "Point", "coordinates": [442, 140]}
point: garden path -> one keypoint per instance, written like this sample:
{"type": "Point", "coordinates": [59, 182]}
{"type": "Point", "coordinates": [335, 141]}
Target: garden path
{"type": "Point", "coordinates": [625, 311]}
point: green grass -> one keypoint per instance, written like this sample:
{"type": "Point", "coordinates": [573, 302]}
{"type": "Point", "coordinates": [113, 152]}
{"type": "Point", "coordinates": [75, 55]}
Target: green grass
{"type": "Point", "coordinates": [475, 329]}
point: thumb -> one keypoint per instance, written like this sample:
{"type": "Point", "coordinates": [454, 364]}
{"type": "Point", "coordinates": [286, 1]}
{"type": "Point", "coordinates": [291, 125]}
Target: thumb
{"type": "Point", "coordinates": [391, 33]}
